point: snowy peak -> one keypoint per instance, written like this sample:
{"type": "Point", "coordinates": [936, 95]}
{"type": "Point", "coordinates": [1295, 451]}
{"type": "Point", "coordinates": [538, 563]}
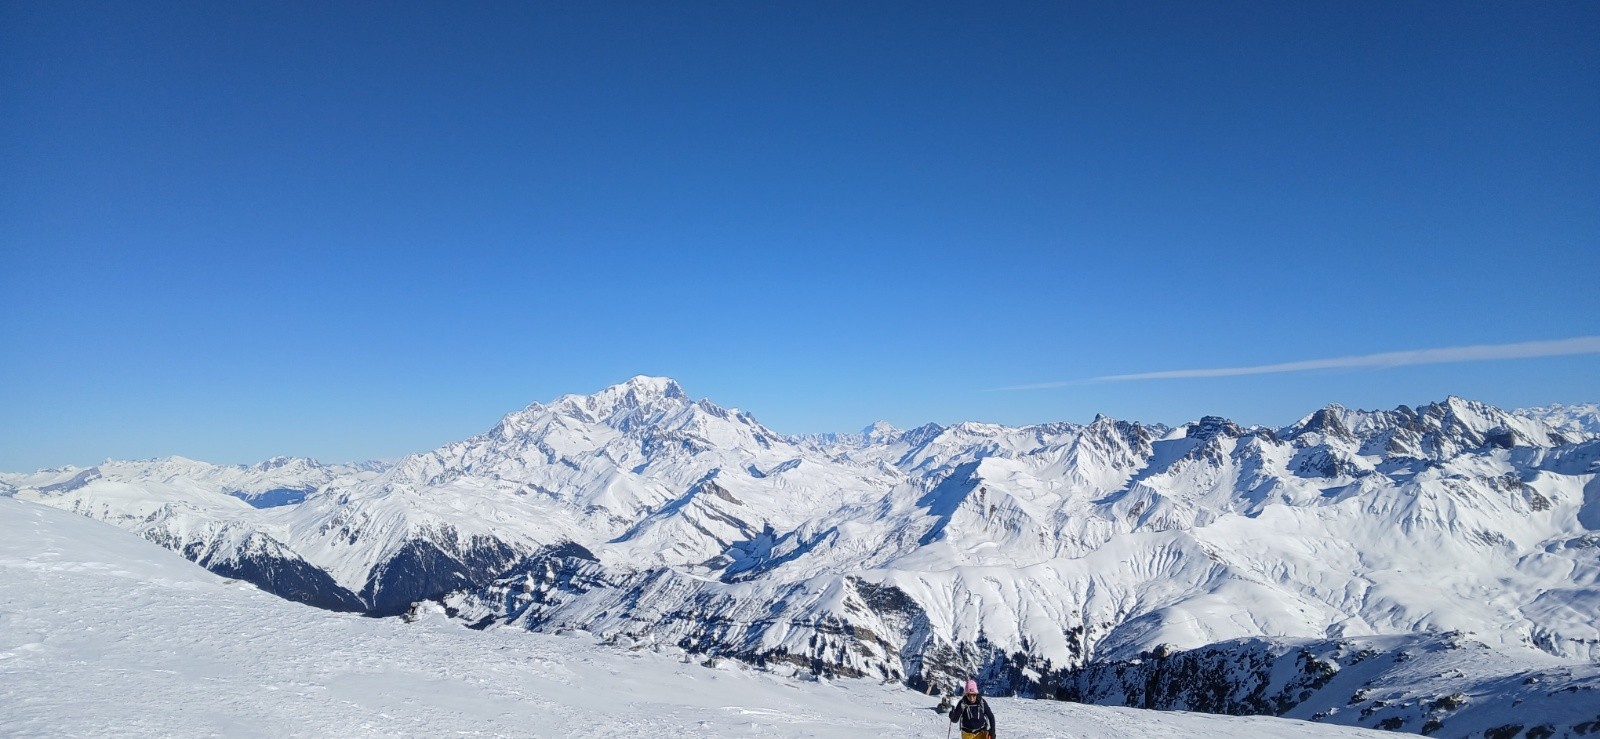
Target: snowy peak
{"type": "Point", "coordinates": [880, 432]}
{"type": "Point", "coordinates": [282, 463]}
{"type": "Point", "coordinates": [637, 401]}
{"type": "Point", "coordinates": [1132, 438]}
{"type": "Point", "coordinates": [1212, 427]}
{"type": "Point", "coordinates": [274, 482]}
{"type": "Point", "coordinates": [1582, 418]}
{"type": "Point", "coordinates": [879, 435]}
{"type": "Point", "coordinates": [1467, 421]}
{"type": "Point", "coordinates": [640, 408]}
{"type": "Point", "coordinates": [573, 426]}
{"type": "Point", "coordinates": [1328, 422]}
{"type": "Point", "coordinates": [1434, 431]}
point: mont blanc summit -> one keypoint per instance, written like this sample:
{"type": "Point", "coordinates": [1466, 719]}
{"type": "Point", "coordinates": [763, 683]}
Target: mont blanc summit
{"type": "Point", "coordinates": [1054, 559]}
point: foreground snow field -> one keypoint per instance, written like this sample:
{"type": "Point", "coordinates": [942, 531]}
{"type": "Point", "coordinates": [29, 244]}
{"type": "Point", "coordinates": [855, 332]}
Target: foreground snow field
{"type": "Point", "coordinates": [105, 634]}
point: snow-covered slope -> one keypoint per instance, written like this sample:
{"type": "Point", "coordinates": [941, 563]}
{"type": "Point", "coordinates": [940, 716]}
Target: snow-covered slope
{"type": "Point", "coordinates": [102, 634]}
{"type": "Point", "coordinates": [641, 515]}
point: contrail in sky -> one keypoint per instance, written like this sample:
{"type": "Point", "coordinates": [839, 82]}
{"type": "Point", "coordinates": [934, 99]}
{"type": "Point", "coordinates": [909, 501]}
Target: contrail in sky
{"type": "Point", "coordinates": [1556, 348]}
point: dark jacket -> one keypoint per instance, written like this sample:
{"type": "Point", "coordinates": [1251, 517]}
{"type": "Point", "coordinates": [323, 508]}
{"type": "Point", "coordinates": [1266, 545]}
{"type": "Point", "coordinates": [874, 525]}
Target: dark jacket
{"type": "Point", "coordinates": [973, 716]}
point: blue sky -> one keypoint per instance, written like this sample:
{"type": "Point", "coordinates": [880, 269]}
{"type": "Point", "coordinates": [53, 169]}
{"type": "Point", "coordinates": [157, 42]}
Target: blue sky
{"type": "Point", "coordinates": [358, 230]}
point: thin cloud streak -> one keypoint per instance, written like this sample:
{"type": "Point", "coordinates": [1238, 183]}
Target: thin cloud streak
{"type": "Point", "coordinates": [1478, 353]}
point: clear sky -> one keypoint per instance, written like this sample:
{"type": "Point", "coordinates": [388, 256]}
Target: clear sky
{"type": "Point", "coordinates": [357, 230]}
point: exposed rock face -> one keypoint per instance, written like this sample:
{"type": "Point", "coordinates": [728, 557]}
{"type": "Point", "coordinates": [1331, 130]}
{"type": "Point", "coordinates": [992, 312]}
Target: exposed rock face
{"type": "Point", "coordinates": [1436, 684]}
{"type": "Point", "coordinates": [1326, 422]}
{"type": "Point", "coordinates": [421, 570]}
{"type": "Point", "coordinates": [287, 577]}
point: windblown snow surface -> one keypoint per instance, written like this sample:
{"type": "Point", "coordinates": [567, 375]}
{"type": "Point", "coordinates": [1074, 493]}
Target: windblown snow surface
{"type": "Point", "coordinates": [105, 634]}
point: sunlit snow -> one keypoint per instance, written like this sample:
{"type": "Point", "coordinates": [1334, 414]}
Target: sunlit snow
{"type": "Point", "coordinates": [103, 634]}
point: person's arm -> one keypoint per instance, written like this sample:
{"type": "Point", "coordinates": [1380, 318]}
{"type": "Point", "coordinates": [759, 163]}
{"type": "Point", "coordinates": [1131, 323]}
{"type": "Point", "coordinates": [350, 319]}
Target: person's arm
{"type": "Point", "coordinates": [989, 715]}
{"type": "Point", "coordinates": [955, 712]}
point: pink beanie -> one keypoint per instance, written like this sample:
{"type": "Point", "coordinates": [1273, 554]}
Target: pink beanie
{"type": "Point", "coordinates": [972, 686]}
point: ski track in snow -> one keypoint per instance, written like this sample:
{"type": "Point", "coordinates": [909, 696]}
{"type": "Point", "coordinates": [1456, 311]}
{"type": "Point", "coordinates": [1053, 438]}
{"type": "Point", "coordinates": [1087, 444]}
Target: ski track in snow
{"type": "Point", "coordinates": [104, 634]}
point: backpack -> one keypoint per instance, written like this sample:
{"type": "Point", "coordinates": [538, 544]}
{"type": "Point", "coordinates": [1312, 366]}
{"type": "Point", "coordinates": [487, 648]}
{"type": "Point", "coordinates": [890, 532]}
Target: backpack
{"type": "Point", "coordinates": [972, 718]}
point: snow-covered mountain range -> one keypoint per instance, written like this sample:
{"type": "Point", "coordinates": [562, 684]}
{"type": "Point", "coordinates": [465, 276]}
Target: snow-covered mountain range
{"type": "Point", "coordinates": [1052, 559]}
{"type": "Point", "coordinates": [1582, 417]}
{"type": "Point", "coordinates": [102, 634]}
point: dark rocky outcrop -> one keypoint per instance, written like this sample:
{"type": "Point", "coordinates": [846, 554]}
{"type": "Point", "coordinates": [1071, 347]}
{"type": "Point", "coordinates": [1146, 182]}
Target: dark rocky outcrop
{"type": "Point", "coordinates": [421, 570]}
{"type": "Point", "coordinates": [291, 579]}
